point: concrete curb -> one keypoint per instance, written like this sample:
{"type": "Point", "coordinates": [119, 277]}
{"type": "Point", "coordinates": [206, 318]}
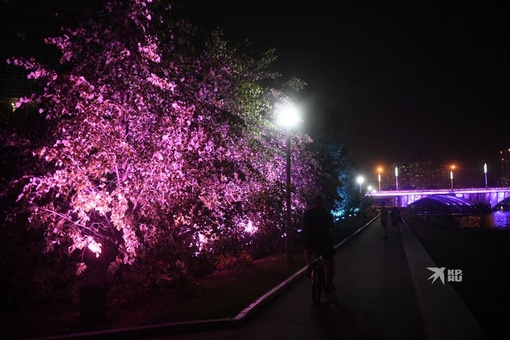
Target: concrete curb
{"type": "Point", "coordinates": [148, 331]}
{"type": "Point", "coordinates": [443, 313]}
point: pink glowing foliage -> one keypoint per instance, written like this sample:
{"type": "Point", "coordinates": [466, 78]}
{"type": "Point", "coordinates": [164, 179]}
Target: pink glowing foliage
{"type": "Point", "coordinates": [157, 142]}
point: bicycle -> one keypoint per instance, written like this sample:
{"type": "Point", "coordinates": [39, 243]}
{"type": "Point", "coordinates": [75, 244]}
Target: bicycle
{"type": "Point", "coordinates": [318, 278]}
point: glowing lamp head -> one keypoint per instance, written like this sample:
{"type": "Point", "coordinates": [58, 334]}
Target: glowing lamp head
{"type": "Point", "coordinates": [360, 180]}
{"type": "Point", "coordinates": [288, 116]}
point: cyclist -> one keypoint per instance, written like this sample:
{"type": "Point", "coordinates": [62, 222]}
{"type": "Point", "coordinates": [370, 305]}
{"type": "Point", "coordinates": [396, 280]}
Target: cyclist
{"type": "Point", "coordinates": [318, 223]}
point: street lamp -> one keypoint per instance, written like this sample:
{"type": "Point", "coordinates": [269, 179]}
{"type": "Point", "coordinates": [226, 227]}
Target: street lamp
{"type": "Point", "coordinates": [379, 169]}
{"type": "Point", "coordinates": [451, 176]}
{"type": "Point", "coordinates": [360, 181]}
{"type": "Point", "coordinates": [396, 178]}
{"type": "Point", "coordinates": [288, 117]}
{"type": "Point", "coordinates": [485, 173]}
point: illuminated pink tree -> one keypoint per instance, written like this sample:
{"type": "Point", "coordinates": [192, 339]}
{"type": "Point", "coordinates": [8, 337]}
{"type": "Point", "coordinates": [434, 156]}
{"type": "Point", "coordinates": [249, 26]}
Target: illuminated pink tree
{"type": "Point", "coordinates": [157, 146]}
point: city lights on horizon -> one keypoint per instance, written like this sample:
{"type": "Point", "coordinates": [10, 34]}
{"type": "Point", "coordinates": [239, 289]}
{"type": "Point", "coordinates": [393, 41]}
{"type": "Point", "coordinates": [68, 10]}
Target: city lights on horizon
{"type": "Point", "coordinates": [429, 174]}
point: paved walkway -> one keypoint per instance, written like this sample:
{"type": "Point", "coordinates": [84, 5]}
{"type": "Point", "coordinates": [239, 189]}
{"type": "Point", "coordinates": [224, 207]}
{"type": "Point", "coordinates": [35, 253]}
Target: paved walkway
{"type": "Point", "coordinates": [374, 298]}
{"type": "Point", "coordinates": [383, 292]}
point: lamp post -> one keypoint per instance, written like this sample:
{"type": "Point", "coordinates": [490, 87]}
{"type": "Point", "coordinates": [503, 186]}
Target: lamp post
{"type": "Point", "coordinates": [485, 173]}
{"type": "Point", "coordinates": [396, 178]}
{"type": "Point", "coordinates": [379, 169]}
{"type": "Point", "coordinates": [360, 181]}
{"type": "Point", "coordinates": [288, 117]}
{"type": "Point", "coordinates": [451, 176]}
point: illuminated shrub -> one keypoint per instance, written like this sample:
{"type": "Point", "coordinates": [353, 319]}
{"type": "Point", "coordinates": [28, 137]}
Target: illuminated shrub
{"type": "Point", "coordinates": [157, 149]}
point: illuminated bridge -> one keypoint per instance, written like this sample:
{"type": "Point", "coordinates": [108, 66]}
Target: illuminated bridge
{"type": "Point", "coordinates": [401, 198]}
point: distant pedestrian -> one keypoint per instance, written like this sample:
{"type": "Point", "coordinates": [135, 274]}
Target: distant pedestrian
{"type": "Point", "coordinates": [395, 220]}
{"type": "Point", "coordinates": [384, 219]}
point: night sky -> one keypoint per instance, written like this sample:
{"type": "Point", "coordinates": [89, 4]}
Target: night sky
{"type": "Point", "coordinates": [420, 80]}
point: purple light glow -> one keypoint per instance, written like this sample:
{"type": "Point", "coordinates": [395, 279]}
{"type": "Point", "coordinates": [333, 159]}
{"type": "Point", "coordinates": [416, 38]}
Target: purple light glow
{"type": "Point", "coordinates": [490, 196]}
{"type": "Point", "coordinates": [502, 219]}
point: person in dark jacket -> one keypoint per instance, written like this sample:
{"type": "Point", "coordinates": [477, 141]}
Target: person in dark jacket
{"type": "Point", "coordinates": [318, 224]}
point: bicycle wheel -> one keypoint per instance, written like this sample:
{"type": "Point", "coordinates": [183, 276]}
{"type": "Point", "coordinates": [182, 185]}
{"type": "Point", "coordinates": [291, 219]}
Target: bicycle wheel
{"type": "Point", "coordinates": [317, 284]}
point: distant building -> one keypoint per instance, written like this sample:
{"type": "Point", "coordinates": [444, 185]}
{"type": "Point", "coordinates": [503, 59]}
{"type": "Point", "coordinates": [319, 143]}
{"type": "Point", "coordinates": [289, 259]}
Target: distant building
{"type": "Point", "coordinates": [505, 167]}
{"type": "Point", "coordinates": [430, 175]}
{"type": "Point", "coordinates": [438, 178]}
{"type": "Point", "coordinates": [418, 175]}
